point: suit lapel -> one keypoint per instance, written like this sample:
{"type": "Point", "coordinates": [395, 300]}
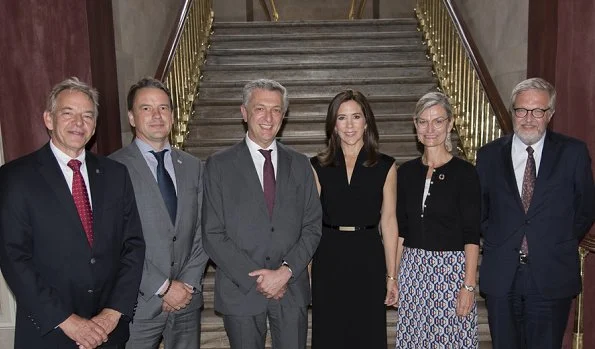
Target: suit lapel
{"type": "Point", "coordinates": [180, 179]}
{"type": "Point", "coordinates": [97, 188]}
{"type": "Point", "coordinates": [508, 169]}
{"type": "Point", "coordinates": [52, 174]}
{"type": "Point", "coordinates": [549, 157]}
{"type": "Point", "coordinates": [283, 172]}
{"type": "Point", "coordinates": [142, 170]}
{"type": "Point", "coordinates": [245, 166]}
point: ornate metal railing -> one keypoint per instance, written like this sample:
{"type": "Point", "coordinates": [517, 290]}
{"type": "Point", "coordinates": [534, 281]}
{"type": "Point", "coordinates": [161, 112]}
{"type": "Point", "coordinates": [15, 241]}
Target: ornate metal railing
{"type": "Point", "coordinates": [272, 15]}
{"type": "Point", "coordinates": [480, 114]}
{"type": "Point", "coordinates": [356, 14]}
{"type": "Point", "coordinates": [184, 54]}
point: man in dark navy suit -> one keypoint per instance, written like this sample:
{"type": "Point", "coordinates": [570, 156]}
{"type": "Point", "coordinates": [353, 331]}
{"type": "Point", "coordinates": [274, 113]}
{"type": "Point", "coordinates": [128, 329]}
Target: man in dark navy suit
{"type": "Point", "coordinates": [71, 244]}
{"type": "Point", "coordinates": [537, 204]}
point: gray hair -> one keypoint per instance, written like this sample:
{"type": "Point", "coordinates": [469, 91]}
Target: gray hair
{"type": "Point", "coordinates": [264, 84]}
{"type": "Point", "coordinates": [72, 84]}
{"type": "Point", "coordinates": [431, 99]}
{"type": "Point", "coordinates": [534, 84]}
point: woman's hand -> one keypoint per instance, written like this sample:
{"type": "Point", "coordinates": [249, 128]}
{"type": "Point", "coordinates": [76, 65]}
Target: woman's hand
{"type": "Point", "coordinates": [465, 300]}
{"type": "Point", "coordinates": [392, 293]}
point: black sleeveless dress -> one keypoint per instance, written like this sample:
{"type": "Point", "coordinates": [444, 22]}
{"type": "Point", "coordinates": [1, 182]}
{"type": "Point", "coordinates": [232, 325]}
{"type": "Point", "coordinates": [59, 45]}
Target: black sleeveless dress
{"type": "Point", "coordinates": [349, 269]}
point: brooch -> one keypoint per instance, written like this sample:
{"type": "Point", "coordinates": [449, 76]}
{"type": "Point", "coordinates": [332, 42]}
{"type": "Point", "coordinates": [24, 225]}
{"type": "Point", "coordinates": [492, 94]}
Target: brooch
{"type": "Point", "coordinates": [441, 176]}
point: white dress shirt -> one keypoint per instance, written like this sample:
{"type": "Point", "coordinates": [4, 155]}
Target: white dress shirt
{"type": "Point", "coordinates": [519, 158]}
{"type": "Point", "coordinates": [68, 173]}
{"type": "Point", "coordinates": [258, 158]}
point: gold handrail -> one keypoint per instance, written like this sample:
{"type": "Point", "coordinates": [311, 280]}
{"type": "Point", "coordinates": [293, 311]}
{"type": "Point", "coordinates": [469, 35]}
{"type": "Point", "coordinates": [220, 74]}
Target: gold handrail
{"type": "Point", "coordinates": [480, 114]}
{"type": "Point", "coordinates": [360, 10]}
{"type": "Point", "coordinates": [183, 57]}
{"type": "Point", "coordinates": [274, 9]}
{"type": "Point", "coordinates": [587, 246]}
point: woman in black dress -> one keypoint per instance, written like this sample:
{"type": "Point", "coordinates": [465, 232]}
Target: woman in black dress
{"type": "Point", "coordinates": [353, 271]}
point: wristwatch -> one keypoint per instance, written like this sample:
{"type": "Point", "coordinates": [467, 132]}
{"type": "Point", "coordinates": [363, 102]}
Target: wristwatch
{"type": "Point", "coordinates": [285, 264]}
{"type": "Point", "coordinates": [469, 288]}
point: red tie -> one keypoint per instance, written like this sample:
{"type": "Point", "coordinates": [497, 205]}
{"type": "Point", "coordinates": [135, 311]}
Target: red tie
{"type": "Point", "coordinates": [268, 180]}
{"type": "Point", "coordinates": [81, 199]}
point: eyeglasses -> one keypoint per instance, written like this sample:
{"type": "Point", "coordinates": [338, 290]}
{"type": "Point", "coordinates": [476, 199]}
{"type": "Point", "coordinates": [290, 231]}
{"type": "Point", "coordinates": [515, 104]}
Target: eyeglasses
{"type": "Point", "coordinates": [437, 123]}
{"type": "Point", "coordinates": [537, 113]}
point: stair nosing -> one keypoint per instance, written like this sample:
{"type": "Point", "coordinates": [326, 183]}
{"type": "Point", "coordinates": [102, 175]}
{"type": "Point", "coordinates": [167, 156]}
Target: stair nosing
{"type": "Point", "coordinates": [303, 100]}
{"type": "Point", "coordinates": [312, 23]}
{"type": "Point", "coordinates": [405, 34]}
{"type": "Point", "coordinates": [317, 66]}
{"type": "Point", "coordinates": [326, 82]}
{"type": "Point", "coordinates": [316, 50]}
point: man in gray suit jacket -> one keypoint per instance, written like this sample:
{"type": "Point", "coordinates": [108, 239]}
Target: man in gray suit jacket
{"type": "Point", "coordinates": [261, 226]}
{"type": "Point", "coordinates": [168, 188]}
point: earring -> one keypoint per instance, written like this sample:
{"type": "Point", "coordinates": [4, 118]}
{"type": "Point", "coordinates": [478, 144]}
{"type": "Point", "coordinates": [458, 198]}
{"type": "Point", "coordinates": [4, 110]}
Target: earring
{"type": "Point", "coordinates": [448, 142]}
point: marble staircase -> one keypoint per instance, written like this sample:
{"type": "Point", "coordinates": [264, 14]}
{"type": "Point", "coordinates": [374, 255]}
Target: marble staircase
{"type": "Point", "coordinates": [314, 60]}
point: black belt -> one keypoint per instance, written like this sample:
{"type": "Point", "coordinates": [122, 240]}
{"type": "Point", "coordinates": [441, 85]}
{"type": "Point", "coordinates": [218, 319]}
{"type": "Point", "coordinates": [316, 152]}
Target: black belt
{"type": "Point", "coordinates": [349, 228]}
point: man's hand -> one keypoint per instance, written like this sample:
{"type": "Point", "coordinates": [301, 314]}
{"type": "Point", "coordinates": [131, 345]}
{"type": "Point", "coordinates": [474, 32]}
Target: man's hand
{"type": "Point", "coordinates": [86, 333]}
{"type": "Point", "coordinates": [108, 319]}
{"type": "Point", "coordinates": [271, 282]}
{"type": "Point", "coordinates": [281, 293]}
{"type": "Point", "coordinates": [178, 296]}
{"type": "Point", "coordinates": [167, 308]}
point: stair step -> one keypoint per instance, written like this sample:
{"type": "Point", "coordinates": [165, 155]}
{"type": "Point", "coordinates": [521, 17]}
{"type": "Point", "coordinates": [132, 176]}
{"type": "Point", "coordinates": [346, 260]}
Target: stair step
{"type": "Point", "coordinates": [341, 26]}
{"type": "Point", "coordinates": [318, 87]}
{"type": "Point", "coordinates": [230, 107]}
{"type": "Point", "coordinates": [316, 39]}
{"type": "Point", "coordinates": [313, 71]}
{"type": "Point", "coordinates": [292, 126]}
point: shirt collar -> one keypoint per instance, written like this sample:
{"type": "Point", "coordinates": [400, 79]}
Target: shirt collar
{"type": "Point", "coordinates": [144, 147]}
{"type": "Point", "coordinates": [253, 147]}
{"type": "Point", "coordinates": [64, 158]}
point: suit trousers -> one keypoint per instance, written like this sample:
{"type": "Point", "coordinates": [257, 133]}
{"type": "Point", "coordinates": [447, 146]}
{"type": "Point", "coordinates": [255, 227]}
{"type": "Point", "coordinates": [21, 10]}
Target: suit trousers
{"type": "Point", "coordinates": [289, 328]}
{"type": "Point", "coordinates": [524, 319]}
{"type": "Point", "coordinates": [178, 331]}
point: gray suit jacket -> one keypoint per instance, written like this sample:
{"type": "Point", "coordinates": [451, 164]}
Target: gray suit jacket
{"type": "Point", "coordinates": [173, 252]}
{"type": "Point", "coordinates": [240, 237]}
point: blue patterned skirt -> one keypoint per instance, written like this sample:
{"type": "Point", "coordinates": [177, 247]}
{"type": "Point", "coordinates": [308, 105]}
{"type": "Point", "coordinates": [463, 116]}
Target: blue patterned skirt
{"type": "Point", "coordinates": [429, 282]}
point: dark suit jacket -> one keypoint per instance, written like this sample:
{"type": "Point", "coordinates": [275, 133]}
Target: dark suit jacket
{"type": "Point", "coordinates": [45, 256]}
{"type": "Point", "coordinates": [560, 214]}
{"type": "Point", "coordinates": [240, 237]}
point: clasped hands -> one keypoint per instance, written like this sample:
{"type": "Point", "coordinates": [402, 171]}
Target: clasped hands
{"type": "Point", "coordinates": [90, 333]}
{"type": "Point", "coordinates": [177, 297]}
{"type": "Point", "coordinates": [272, 283]}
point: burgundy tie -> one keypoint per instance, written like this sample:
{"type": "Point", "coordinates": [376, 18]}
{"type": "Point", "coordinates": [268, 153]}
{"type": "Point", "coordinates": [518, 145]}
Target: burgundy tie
{"type": "Point", "coordinates": [527, 192]}
{"type": "Point", "coordinates": [81, 199]}
{"type": "Point", "coordinates": [268, 180]}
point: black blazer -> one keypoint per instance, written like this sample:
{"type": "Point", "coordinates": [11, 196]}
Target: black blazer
{"type": "Point", "coordinates": [561, 212]}
{"type": "Point", "coordinates": [44, 254]}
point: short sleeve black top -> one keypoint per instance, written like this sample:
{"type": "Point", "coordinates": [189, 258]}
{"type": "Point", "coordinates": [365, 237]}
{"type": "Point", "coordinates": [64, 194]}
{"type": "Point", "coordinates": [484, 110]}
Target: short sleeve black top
{"type": "Point", "coordinates": [451, 215]}
{"type": "Point", "coordinates": [357, 203]}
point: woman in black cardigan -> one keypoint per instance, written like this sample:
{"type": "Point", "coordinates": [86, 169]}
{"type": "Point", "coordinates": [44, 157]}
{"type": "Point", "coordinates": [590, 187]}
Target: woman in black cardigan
{"type": "Point", "coordinates": [438, 211]}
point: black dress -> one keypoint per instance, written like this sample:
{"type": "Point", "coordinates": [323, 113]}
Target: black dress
{"type": "Point", "coordinates": [348, 269]}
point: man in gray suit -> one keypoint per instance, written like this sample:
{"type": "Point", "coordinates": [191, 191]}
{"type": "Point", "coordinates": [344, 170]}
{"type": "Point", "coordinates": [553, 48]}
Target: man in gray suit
{"type": "Point", "coordinates": [261, 226]}
{"type": "Point", "coordinates": [168, 188]}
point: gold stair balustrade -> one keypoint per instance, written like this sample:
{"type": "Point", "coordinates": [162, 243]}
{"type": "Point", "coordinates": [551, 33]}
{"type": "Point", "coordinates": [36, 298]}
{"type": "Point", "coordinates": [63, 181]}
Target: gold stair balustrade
{"type": "Point", "coordinates": [353, 14]}
{"type": "Point", "coordinates": [184, 55]}
{"type": "Point", "coordinates": [480, 114]}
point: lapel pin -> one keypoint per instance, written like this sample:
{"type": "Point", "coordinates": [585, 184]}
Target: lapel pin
{"type": "Point", "coordinates": [179, 161]}
{"type": "Point", "coordinates": [441, 176]}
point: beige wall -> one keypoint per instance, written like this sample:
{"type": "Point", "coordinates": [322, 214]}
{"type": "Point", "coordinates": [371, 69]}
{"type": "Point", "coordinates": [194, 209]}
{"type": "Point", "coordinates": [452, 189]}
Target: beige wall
{"type": "Point", "coordinates": [499, 29]}
{"type": "Point", "coordinates": [141, 29]}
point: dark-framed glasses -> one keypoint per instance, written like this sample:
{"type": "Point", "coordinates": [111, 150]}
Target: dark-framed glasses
{"type": "Point", "coordinates": [437, 123]}
{"type": "Point", "coordinates": [537, 113]}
